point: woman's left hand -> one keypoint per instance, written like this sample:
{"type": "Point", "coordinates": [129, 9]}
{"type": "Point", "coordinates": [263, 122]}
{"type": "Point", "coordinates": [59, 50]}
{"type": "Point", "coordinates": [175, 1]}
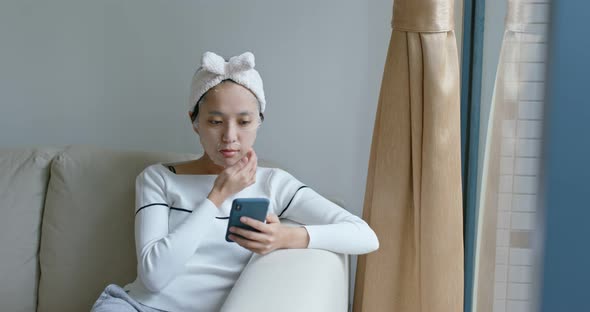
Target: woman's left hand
{"type": "Point", "coordinates": [273, 235]}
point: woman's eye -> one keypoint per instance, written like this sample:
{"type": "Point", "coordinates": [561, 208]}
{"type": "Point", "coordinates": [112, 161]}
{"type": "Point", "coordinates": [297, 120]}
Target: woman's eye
{"type": "Point", "coordinates": [245, 122]}
{"type": "Point", "coordinates": [215, 122]}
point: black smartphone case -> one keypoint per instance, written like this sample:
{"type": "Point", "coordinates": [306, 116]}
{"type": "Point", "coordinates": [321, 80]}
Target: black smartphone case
{"type": "Point", "coordinates": [255, 208]}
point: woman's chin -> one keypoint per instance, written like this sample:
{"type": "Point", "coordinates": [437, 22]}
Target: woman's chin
{"type": "Point", "coordinates": [226, 162]}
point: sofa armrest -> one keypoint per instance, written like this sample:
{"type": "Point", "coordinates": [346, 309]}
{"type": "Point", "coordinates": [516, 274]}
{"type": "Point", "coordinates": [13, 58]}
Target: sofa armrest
{"type": "Point", "coordinates": [292, 280]}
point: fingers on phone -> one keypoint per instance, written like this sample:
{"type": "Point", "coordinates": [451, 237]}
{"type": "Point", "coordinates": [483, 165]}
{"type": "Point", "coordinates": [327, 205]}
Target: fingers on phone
{"type": "Point", "coordinates": [246, 233]}
{"type": "Point", "coordinates": [253, 223]}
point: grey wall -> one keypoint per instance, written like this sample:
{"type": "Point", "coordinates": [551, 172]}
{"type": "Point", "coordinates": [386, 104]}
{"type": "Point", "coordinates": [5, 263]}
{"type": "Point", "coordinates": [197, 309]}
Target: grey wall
{"type": "Point", "coordinates": [117, 74]}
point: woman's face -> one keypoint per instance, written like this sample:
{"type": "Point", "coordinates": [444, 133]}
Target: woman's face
{"type": "Point", "coordinates": [228, 121]}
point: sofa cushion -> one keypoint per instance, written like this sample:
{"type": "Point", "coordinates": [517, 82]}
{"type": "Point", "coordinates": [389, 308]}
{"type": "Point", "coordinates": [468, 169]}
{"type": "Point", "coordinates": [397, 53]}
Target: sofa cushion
{"type": "Point", "coordinates": [87, 232]}
{"type": "Point", "coordinates": [24, 173]}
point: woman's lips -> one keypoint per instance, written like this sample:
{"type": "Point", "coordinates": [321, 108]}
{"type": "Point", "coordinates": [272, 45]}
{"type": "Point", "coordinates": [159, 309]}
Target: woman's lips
{"type": "Point", "coordinates": [227, 153]}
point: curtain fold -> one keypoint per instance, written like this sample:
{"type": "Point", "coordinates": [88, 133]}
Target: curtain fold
{"type": "Point", "coordinates": [413, 194]}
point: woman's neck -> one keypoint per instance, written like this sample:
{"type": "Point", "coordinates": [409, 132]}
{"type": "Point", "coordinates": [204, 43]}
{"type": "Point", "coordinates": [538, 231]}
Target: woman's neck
{"type": "Point", "coordinates": [207, 166]}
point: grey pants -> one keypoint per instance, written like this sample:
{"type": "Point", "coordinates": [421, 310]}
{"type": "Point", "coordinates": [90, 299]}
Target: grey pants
{"type": "Point", "coordinates": [115, 299]}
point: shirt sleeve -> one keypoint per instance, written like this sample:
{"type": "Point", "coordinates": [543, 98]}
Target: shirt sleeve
{"type": "Point", "coordinates": [161, 255]}
{"type": "Point", "coordinates": [329, 226]}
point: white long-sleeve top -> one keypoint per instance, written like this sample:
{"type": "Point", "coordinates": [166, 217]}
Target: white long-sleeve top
{"type": "Point", "coordinates": [183, 260]}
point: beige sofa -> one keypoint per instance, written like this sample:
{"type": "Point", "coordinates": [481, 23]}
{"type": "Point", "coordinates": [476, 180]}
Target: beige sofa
{"type": "Point", "coordinates": [66, 231]}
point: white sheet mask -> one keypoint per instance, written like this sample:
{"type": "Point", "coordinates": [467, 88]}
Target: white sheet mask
{"type": "Point", "coordinates": [252, 126]}
{"type": "Point", "coordinates": [233, 146]}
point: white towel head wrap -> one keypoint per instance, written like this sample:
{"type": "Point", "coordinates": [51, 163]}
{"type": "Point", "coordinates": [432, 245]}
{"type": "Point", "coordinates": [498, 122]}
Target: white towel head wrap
{"type": "Point", "coordinates": [214, 69]}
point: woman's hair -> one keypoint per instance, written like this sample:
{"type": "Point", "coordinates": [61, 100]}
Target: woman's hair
{"type": "Point", "coordinates": [202, 98]}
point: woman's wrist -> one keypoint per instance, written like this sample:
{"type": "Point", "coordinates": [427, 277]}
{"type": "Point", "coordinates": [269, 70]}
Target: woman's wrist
{"type": "Point", "coordinates": [216, 197]}
{"type": "Point", "coordinates": [297, 238]}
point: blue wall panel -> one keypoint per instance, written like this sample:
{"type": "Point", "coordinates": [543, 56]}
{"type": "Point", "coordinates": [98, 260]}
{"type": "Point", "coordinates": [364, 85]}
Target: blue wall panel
{"type": "Point", "coordinates": [566, 168]}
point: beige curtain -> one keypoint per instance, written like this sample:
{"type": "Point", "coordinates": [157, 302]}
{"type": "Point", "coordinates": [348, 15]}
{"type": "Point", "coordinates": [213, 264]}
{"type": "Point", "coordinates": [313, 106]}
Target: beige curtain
{"type": "Point", "coordinates": [511, 155]}
{"type": "Point", "coordinates": [413, 195]}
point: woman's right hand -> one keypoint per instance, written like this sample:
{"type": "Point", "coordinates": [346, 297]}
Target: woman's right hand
{"type": "Point", "coordinates": [235, 178]}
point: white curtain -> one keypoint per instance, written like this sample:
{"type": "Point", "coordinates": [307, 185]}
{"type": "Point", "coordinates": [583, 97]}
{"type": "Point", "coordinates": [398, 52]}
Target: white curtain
{"type": "Point", "coordinates": [507, 207]}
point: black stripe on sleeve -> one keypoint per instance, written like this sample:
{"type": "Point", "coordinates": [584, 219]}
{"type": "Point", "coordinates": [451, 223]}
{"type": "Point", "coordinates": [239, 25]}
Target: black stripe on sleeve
{"type": "Point", "coordinates": [162, 204]}
{"type": "Point", "coordinates": [180, 209]}
{"type": "Point", "coordinates": [156, 204]}
{"type": "Point", "coordinates": [172, 208]}
{"type": "Point", "coordinates": [282, 212]}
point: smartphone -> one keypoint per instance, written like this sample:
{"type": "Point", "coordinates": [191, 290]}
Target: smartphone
{"type": "Point", "coordinates": [255, 208]}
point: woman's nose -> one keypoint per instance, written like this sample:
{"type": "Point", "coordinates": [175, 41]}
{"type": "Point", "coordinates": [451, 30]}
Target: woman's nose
{"type": "Point", "coordinates": [230, 134]}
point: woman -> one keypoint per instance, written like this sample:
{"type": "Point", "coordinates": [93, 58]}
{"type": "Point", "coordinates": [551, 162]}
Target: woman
{"type": "Point", "coordinates": [184, 262]}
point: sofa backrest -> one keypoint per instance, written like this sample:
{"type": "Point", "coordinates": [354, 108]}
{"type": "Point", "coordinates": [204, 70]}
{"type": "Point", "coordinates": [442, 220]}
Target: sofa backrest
{"type": "Point", "coordinates": [66, 223]}
{"type": "Point", "coordinates": [87, 232]}
{"type": "Point", "coordinates": [24, 173]}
